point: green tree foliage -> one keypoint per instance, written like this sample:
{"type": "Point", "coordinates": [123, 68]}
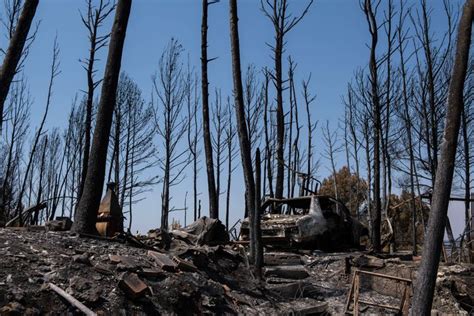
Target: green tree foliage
{"type": "Point", "coordinates": [351, 188]}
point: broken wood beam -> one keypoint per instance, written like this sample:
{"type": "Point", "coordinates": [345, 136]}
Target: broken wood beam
{"type": "Point", "coordinates": [71, 300]}
{"type": "Point", "coordinates": [27, 212]}
{"type": "Point", "coordinates": [386, 276]}
{"type": "Point", "coordinates": [396, 308]}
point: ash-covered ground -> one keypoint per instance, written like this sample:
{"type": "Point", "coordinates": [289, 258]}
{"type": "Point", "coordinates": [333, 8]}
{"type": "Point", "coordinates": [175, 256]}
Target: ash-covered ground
{"type": "Point", "coordinates": [114, 278]}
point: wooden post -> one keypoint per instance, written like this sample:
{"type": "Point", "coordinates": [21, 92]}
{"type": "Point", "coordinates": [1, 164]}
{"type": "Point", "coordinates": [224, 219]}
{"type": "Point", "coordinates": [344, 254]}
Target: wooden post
{"type": "Point", "coordinates": [472, 217]}
{"type": "Point", "coordinates": [258, 247]}
{"type": "Point", "coordinates": [355, 311]}
{"type": "Point", "coordinates": [349, 296]}
{"type": "Point", "coordinates": [470, 247]}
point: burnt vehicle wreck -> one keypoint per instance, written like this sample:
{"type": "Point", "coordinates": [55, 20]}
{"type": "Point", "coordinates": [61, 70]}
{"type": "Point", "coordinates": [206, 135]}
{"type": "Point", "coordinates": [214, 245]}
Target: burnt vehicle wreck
{"type": "Point", "coordinates": [308, 222]}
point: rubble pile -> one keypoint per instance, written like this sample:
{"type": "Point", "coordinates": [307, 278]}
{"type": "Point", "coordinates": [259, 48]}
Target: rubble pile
{"type": "Point", "coordinates": [181, 273]}
{"type": "Point", "coordinates": [117, 278]}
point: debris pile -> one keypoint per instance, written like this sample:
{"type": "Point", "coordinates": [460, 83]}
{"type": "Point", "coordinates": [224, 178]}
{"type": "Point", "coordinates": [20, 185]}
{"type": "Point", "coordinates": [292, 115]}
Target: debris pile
{"type": "Point", "coordinates": [59, 272]}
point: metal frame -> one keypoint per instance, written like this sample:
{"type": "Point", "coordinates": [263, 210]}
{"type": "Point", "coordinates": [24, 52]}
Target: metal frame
{"type": "Point", "coordinates": [354, 292]}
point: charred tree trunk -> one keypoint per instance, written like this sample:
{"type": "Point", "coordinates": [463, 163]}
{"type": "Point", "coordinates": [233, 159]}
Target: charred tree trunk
{"type": "Point", "coordinates": [240, 116]}
{"type": "Point", "coordinates": [408, 126]}
{"type": "Point", "coordinates": [376, 109]}
{"type": "Point", "coordinates": [15, 51]}
{"type": "Point", "coordinates": [467, 178]}
{"type": "Point", "coordinates": [35, 218]}
{"type": "Point", "coordinates": [92, 23]}
{"type": "Point", "coordinates": [425, 284]}
{"type": "Point", "coordinates": [268, 148]}
{"type": "Point", "coordinates": [283, 22]}
{"type": "Point", "coordinates": [211, 182]}
{"type": "Point", "coordinates": [280, 116]}
{"type": "Point", "coordinates": [86, 212]}
{"type": "Point", "coordinates": [256, 219]}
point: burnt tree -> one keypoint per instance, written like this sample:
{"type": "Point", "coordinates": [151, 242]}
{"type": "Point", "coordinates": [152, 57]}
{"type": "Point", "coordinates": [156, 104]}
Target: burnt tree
{"type": "Point", "coordinates": [426, 281]}
{"type": "Point", "coordinates": [92, 20]}
{"type": "Point", "coordinates": [86, 212]}
{"type": "Point", "coordinates": [377, 128]}
{"type": "Point", "coordinates": [277, 12]}
{"type": "Point", "coordinates": [211, 182]}
{"type": "Point", "coordinates": [15, 51]}
{"type": "Point", "coordinates": [244, 140]}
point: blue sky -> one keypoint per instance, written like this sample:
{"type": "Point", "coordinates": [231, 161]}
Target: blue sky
{"type": "Point", "coordinates": [330, 43]}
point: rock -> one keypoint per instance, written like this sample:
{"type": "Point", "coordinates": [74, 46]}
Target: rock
{"type": "Point", "coordinates": [31, 311]}
{"type": "Point", "coordinates": [12, 308]}
{"type": "Point", "coordinates": [163, 261]}
{"type": "Point", "coordinates": [103, 268]}
{"type": "Point", "coordinates": [204, 231]}
{"type": "Point", "coordinates": [365, 261]}
{"type": "Point", "coordinates": [131, 284]}
{"type": "Point", "coordinates": [125, 262]}
{"type": "Point", "coordinates": [59, 224]}
{"type": "Point", "coordinates": [83, 258]}
{"type": "Point", "coordinates": [84, 290]}
{"type": "Point", "coordinates": [115, 259]}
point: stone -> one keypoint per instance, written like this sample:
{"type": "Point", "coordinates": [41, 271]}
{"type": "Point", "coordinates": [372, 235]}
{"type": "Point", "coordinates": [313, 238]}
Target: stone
{"type": "Point", "coordinates": [125, 262]}
{"type": "Point", "coordinates": [103, 268]}
{"type": "Point", "coordinates": [59, 224]}
{"type": "Point", "coordinates": [82, 258]}
{"type": "Point", "coordinates": [12, 308]}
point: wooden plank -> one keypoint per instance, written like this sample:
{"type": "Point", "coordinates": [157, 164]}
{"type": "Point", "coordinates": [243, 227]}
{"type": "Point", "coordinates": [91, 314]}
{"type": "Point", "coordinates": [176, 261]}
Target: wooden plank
{"type": "Point", "coordinates": [402, 301]}
{"type": "Point", "coordinates": [386, 276]}
{"type": "Point", "coordinates": [356, 294]}
{"type": "Point", "coordinates": [72, 300]}
{"type": "Point", "coordinates": [349, 296]}
{"type": "Point", "coordinates": [379, 305]}
{"type": "Point", "coordinates": [406, 305]}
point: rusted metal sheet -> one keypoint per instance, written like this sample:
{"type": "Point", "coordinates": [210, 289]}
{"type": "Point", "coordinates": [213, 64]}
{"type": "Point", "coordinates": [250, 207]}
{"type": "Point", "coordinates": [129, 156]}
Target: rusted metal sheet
{"type": "Point", "coordinates": [109, 217]}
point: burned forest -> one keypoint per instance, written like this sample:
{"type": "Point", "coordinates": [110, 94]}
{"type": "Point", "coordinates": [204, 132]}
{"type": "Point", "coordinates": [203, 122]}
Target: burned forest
{"type": "Point", "coordinates": [260, 157]}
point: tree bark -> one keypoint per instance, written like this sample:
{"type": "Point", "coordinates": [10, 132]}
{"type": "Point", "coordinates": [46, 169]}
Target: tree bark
{"type": "Point", "coordinates": [240, 111]}
{"type": "Point", "coordinates": [211, 183]}
{"type": "Point", "coordinates": [376, 109]}
{"type": "Point", "coordinates": [280, 115]}
{"type": "Point", "coordinates": [426, 281]}
{"type": "Point", "coordinates": [86, 212]}
{"type": "Point", "coordinates": [257, 232]}
{"type": "Point", "coordinates": [14, 51]}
